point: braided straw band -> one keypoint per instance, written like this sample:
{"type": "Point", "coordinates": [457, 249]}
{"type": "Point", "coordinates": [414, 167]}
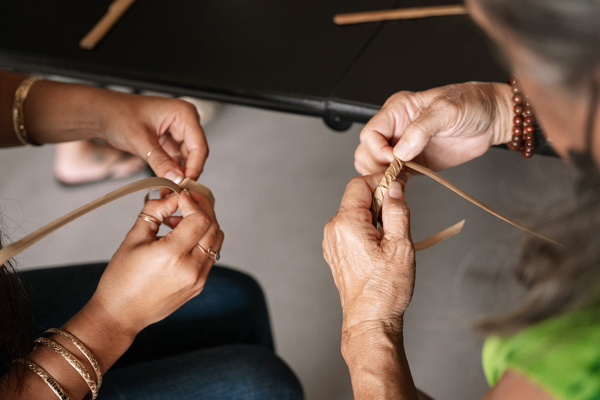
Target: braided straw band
{"type": "Point", "coordinates": [83, 349]}
{"type": "Point", "coordinates": [384, 184]}
{"type": "Point", "coordinates": [18, 117]}
{"type": "Point", "coordinates": [392, 174]}
{"type": "Point", "coordinates": [75, 363]}
{"type": "Point", "coordinates": [41, 372]}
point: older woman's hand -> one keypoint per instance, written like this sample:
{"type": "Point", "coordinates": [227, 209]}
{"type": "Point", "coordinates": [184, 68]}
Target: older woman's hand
{"type": "Point", "coordinates": [149, 277]}
{"type": "Point", "coordinates": [374, 273]}
{"type": "Point", "coordinates": [439, 128]}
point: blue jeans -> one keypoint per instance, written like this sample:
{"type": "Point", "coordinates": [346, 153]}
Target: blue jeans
{"type": "Point", "coordinates": [217, 346]}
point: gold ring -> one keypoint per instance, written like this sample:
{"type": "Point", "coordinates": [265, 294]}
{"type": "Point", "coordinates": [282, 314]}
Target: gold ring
{"type": "Point", "coordinates": [213, 255]}
{"type": "Point", "coordinates": [150, 152]}
{"type": "Point", "coordinates": [150, 218]}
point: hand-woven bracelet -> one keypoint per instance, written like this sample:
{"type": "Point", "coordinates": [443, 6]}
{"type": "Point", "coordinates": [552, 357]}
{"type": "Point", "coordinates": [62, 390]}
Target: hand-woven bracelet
{"type": "Point", "coordinates": [18, 116]}
{"type": "Point", "coordinates": [84, 350]}
{"type": "Point", "coordinates": [46, 377]}
{"type": "Point", "coordinates": [75, 363]}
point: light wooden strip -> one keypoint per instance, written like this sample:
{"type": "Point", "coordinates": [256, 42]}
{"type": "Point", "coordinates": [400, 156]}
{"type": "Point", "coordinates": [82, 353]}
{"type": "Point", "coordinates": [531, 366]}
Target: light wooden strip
{"type": "Point", "coordinates": [438, 237]}
{"type": "Point", "coordinates": [15, 248]}
{"type": "Point", "coordinates": [445, 182]}
{"type": "Point", "coordinates": [403, 13]}
{"type": "Point", "coordinates": [115, 11]}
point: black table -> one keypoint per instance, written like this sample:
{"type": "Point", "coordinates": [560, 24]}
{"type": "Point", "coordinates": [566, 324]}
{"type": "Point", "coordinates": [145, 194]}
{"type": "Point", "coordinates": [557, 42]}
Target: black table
{"type": "Point", "coordinates": [282, 55]}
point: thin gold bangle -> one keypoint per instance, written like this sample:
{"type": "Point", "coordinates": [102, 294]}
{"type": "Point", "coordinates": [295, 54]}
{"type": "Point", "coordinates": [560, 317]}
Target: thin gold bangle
{"type": "Point", "coordinates": [18, 117]}
{"type": "Point", "coordinates": [46, 377]}
{"type": "Point", "coordinates": [86, 352]}
{"type": "Point", "coordinates": [75, 363]}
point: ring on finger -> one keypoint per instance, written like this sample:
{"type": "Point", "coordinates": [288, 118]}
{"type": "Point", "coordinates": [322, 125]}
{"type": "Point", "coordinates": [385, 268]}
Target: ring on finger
{"type": "Point", "coordinates": [150, 218]}
{"type": "Point", "coordinates": [213, 255]}
{"type": "Point", "coordinates": [150, 152]}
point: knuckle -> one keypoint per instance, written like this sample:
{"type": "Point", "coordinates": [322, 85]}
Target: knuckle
{"type": "Point", "coordinates": [213, 230]}
{"type": "Point", "coordinates": [161, 160]}
{"type": "Point", "coordinates": [200, 219]}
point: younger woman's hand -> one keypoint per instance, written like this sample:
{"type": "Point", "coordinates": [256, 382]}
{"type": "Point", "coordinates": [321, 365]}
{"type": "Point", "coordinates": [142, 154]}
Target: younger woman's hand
{"type": "Point", "coordinates": [374, 273]}
{"type": "Point", "coordinates": [168, 128]}
{"type": "Point", "coordinates": [150, 277]}
{"type": "Point", "coordinates": [438, 128]}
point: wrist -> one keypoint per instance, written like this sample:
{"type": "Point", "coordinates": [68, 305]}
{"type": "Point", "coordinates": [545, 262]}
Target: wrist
{"type": "Point", "coordinates": [372, 335]}
{"type": "Point", "coordinates": [374, 353]}
{"type": "Point", "coordinates": [101, 333]}
{"type": "Point", "coordinates": [504, 117]}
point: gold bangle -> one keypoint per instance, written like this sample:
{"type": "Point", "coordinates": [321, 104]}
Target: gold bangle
{"type": "Point", "coordinates": [86, 352]}
{"type": "Point", "coordinates": [46, 377]}
{"type": "Point", "coordinates": [75, 363]}
{"type": "Point", "coordinates": [18, 117]}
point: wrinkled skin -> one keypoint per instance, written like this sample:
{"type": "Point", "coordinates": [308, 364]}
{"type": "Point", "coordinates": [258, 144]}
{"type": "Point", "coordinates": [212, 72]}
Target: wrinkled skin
{"type": "Point", "coordinates": [445, 127]}
{"type": "Point", "coordinates": [374, 273]}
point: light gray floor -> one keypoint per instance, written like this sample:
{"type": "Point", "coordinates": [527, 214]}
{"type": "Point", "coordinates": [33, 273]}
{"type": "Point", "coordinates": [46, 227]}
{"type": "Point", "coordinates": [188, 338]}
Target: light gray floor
{"type": "Point", "coordinates": [277, 179]}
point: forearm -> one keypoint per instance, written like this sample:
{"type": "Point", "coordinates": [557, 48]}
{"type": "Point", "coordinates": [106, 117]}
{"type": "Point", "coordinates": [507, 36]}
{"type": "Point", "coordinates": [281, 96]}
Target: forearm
{"type": "Point", "coordinates": [97, 330]}
{"type": "Point", "coordinates": [55, 112]}
{"type": "Point", "coordinates": [378, 365]}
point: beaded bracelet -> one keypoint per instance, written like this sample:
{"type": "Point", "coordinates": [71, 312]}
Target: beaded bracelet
{"type": "Point", "coordinates": [17, 112]}
{"type": "Point", "coordinates": [46, 377]}
{"type": "Point", "coordinates": [75, 363]}
{"type": "Point", "coordinates": [523, 138]}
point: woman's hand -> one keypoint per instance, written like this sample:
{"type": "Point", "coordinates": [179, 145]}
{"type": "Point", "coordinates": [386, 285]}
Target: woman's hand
{"type": "Point", "coordinates": [374, 273]}
{"type": "Point", "coordinates": [150, 277]}
{"type": "Point", "coordinates": [438, 128]}
{"type": "Point", "coordinates": [168, 128]}
{"type": "Point", "coordinates": [58, 112]}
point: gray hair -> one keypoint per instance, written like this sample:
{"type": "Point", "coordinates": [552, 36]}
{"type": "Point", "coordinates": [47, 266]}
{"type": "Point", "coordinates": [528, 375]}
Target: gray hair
{"type": "Point", "coordinates": [563, 34]}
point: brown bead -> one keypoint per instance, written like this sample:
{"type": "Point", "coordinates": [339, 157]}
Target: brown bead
{"type": "Point", "coordinates": [526, 103]}
{"type": "Point", "coordinates": [518, 109]}
{"type": "Point", "coordinates": [517, 130]}
{"type": "Point", "coordinates": [528, 137]}
{"type": "Point", "coordinates": [515, 89]}
{"type": "Point", "coordinates": [529, 121]}
{"type": "Point", "coordinates": [517, 98]}
{"type": "Point", "coordinates": [512, 80]}
{"type": "Point", "coordinates": [530, 145]}
{"type": "Point", "coordinates": [528, 111]}
{"type": "Point", "coordinates": [513, 146]}
{"type": "Point", "coordinates": [529, 129]}
{"type": "Point", "coordinates": [515, 143]}
{"type": "Point", "coordinates": [527, 153]}
{"type": "Point", "coordinates": [518, 120]}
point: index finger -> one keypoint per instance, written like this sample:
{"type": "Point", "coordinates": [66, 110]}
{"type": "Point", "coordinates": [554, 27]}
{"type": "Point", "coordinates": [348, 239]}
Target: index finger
{"type": "Point", "coordinates": [187, 131]}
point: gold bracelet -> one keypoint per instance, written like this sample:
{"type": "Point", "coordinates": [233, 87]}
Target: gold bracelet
{"type": "Point", "coordinates": [86, 352]}
{"type": "Point", "coordinates": [18, 117]}
{"type": "Point", "coordinates": [46, 377]}
{"type": "Point", "coordinates": [75, 363]}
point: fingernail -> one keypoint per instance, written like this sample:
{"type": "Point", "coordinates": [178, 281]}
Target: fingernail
{"type": "Point", "coordinates": [395, 190]}
{"type": "Point", "coordinates": [174, 176]}
{"type": "Point", "coordinates": [403, 150]}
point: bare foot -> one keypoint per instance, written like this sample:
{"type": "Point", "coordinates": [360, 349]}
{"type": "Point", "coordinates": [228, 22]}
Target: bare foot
{"type": "Point", "coordinates": [87, 161]}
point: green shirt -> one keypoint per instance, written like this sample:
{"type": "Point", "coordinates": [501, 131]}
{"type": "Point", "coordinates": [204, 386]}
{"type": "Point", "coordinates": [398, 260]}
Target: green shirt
{"type": "Point", "coordinates": [560, 354]}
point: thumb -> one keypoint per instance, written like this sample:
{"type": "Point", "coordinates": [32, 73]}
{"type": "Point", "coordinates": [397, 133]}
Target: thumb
{"type": "Point", "coordinates": [395, 216]}
{"type": "Point", "coordinates": [164, 165]}
{"type": "Point", "coordinates": [418, 134]}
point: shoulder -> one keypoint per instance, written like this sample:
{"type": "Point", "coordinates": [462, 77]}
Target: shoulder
{"type": "Point", "coordinates": [561, 355]}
